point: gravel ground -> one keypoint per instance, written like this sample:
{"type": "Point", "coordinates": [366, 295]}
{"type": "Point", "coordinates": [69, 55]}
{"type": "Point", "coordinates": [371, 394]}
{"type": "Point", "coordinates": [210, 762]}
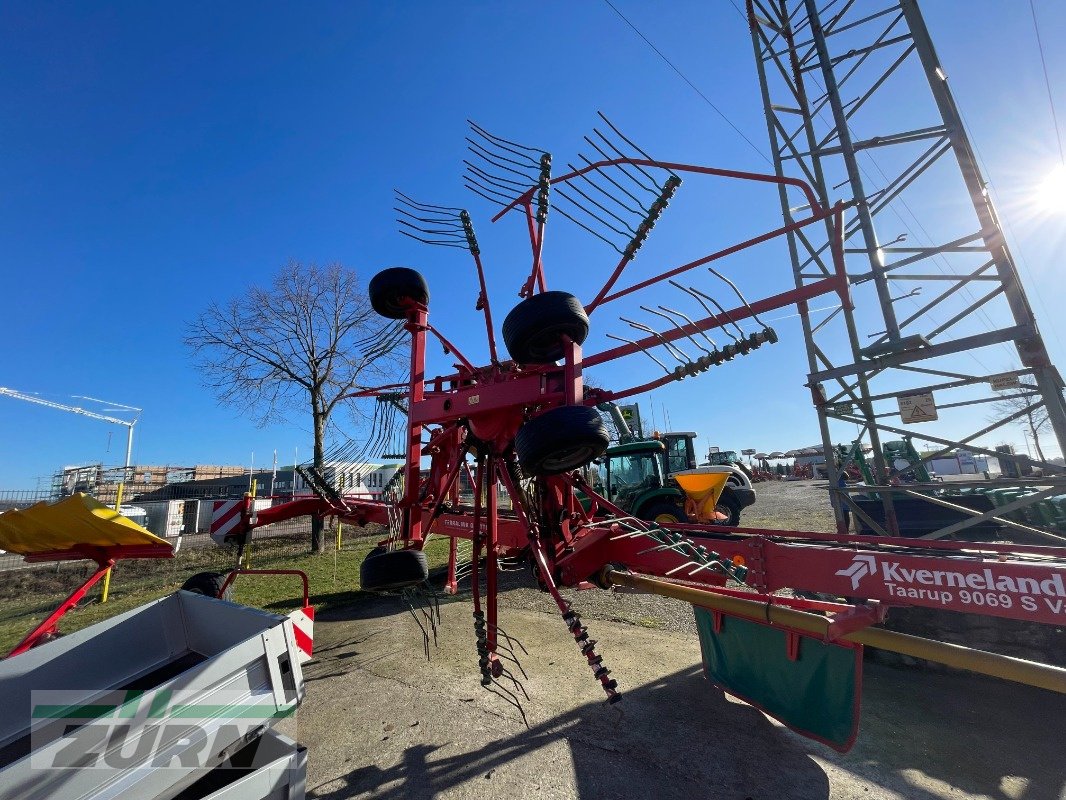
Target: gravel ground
{"type": "Point", "coordinates": [790, 505]}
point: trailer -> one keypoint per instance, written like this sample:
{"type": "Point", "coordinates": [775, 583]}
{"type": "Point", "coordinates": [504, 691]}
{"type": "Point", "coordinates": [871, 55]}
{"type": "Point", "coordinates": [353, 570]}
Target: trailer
{"type": "Point", "coordinates": [149, 702]}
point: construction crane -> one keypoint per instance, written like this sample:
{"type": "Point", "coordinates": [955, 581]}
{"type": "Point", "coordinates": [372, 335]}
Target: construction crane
{"type": "Point", "coordinates": [85, 413]}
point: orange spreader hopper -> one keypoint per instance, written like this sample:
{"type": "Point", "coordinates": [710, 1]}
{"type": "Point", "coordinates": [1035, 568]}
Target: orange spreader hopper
{"type": "Point", "coordinates": [702, 486]}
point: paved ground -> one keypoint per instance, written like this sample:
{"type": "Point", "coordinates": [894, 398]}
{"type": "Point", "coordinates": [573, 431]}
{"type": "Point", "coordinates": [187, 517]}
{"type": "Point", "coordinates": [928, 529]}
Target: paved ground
{"type": "Point", "coordinates": [383, 721]}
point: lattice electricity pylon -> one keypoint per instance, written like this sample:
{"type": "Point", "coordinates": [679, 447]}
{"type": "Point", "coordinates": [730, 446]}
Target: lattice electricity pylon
{"type": "Point", "coordinates": [832, 80]}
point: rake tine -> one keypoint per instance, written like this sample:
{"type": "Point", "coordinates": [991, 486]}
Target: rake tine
{"type": "Point", "coordinates": [585, 227]}
{"type": "Point", "coordinates": [497, 139]}
{"type": "Point", "coordinates": [721, 310]}
{"type": "Point", "coordinates": [584, 176]}
{"type": "Point", "coordinates": [483, 151]}
{"type": "Point", "coordinates": [628, 227]}
{"type": "Point", "coordinates": [504, 167]}
{"type": "Point", "coordinates": [443, 221]}
{"type": "Point", "coordinates": [433, 242]}
{"type": "Point", "coordinates": [495, 180]}
{"type": "Point", "coordinates": [671, 348]}
{"type": "Point", "coordinates": [592, 214]}
{"type": "Point", "coordinates": [417, 204]}
{"type": "Point", "coordinates": [688, 319]}
{"type": "Point", "coordinates": [626, 192]}
{"type": "Point", "coordinates": [674, 323]}
{"type": "Point", "coordinates": [699, 298]}
{"type": "Point", "coordinates": [637, 167]}
{"type": "Point", "coordinates": [632, 144]}
{"type": "Point", "coordinates": [645, 352]}
{"type": "Point", "coordinates": [480, 193]}
{"type": "Point", "coordinates": [509, 697]}
{"type": "Point", "coordinates": [733, 286]}
{"type": "Point", "coordinates": [621, 167]}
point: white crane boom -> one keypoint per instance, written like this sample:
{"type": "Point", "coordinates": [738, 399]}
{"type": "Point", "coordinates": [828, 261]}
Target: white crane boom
{"type": "Point", "coordinates": [73, 409]}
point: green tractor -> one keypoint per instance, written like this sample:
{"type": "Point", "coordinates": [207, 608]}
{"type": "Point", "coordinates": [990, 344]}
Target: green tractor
{"type": "Point", "coordinates": [637, 475]}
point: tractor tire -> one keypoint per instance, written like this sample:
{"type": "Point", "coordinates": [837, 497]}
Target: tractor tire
{"type": "Point", "coordinates": [208, 584]}
{"type": "Point", "coordinates": [391, 287]}
{"type": "Point", "coordinates": [560, 440]}
{"type": "Point", "coordinates": [383, 570]}
{"type": "Point", "coordinates": [727, 510]}
{"type": "Point", "coordinates": [664, 513]}
{"type": "Point", "coordinates": [534, 329]}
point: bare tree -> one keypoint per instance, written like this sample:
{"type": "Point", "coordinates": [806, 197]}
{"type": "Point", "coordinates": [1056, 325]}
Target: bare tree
{"type": "Point", "coordinates": [1035, 413]}
{"type": "Point", "coordinates": [309, 339]}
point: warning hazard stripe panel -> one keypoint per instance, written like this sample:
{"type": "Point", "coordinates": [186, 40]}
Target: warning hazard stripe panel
{"type": "Point", "coordinates": [303, 626]}
{"type": "Point", "coordinates": [225, 516]}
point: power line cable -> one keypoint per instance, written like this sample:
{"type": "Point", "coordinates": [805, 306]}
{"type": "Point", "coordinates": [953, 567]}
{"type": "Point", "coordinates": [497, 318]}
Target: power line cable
{"type": "Point", "coordinates": [693, 86]}
{"type": "Point", "coordinates": [1047, 83]}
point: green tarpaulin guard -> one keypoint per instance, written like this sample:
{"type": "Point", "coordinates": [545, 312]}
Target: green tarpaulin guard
{"type": "Point", "coordinates": [816, 693]}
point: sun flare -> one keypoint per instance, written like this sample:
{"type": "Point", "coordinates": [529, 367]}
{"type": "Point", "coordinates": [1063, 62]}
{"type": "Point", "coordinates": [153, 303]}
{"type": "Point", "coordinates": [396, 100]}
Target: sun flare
{"type": "Point", "coordinates": [1051, 196]}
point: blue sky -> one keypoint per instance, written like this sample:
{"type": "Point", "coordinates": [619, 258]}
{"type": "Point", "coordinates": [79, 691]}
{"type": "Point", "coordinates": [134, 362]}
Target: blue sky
{"type": "Point", "coordinates": [156, 157]}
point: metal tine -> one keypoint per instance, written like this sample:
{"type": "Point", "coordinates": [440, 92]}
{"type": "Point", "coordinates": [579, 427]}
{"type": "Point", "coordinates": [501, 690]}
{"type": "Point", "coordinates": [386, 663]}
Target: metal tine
{"type": "Point", "coordinates": [411, 608]}
{"type": "Point", "coordinates": [559, 192]}
{"type": "Point", "coordinates": [584, 176]}
{"type": "Point", "coordinates": [499, 182]}
{"type": "Point", "coordinates": [481, 194]}
{"type": "Point", "coordinates": [721, 310]}
{"type": "Point", "coordinates": [620, 167]}
{"type": "Point", "coordinates": [426, 206]}
{"type": "Point", "coordinates": [699, 299]}
{"type": "Point", "coordinates": [733, 286]}
{"type": "Point", "coordinates": [688, 319]}
{"type": "Point", "coordinates": [445, 221]}
{"type": "Point", "coordinates": [633, 144]}
{"type": "Point", "coordinates": [645, 352]}
{"type": "Point", "coordinates": [585, 227]}
{"type": "Point", "coordinates": [673, 349]}
{"type": "Point", "coordinates": [509, 198]}
{"type": "Point", "coordinates": [432, 231]}
{"type": "Point", "coordinates": [616, 184]}
{"type": "Point", "coordinates": [674, 323]}
{"type": "Point", "coordinates": [509, 638]}
{"type": "Point", "coordinates": [507, 695]}
{"type": "Point", "coordinates": [605, 210]}
{"type": "Point", "coordinates": [518, 684]}
{"type": "Point", "coordinates": [639, 169]}
{"type": "Point", "coordinates": [500, 141]}
{"type": "Point", "coordinates": [514, 661]}
{"type": "Point", "coordinates": [506, 168]}
{"type": "Point", "coordinates": [458, 245]}
{"type": "Point", "coordinates": [484, 152]}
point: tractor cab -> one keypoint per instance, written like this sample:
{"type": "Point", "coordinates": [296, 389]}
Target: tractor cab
{"type": "Point", "coordinates": [680, 451]}
{"type": "Point", "coordinates": [633, 471]}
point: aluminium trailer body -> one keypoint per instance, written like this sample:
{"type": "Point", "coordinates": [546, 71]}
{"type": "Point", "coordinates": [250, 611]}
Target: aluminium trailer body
{"type": "Point", "coordinates": [147, 703]}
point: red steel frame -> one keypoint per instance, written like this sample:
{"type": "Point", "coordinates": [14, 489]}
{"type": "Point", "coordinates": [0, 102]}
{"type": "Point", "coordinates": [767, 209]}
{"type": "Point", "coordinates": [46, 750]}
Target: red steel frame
{"type": "Point", "coordinates": [105, 558]}
{"type": "Point", "coordinates": [481, 409]}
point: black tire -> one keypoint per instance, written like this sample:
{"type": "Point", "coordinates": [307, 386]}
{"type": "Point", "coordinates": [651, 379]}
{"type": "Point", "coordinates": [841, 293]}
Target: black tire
{"type": "Point", "coordinates": [660, 512]}
{"type": "Point", "coordinates": [391, 287]}
{"type": "Point", "coordinates": [534, 329]}
{"type": "Point", "coordinates": [209, 584]}
{"type": "Point", "coordinates": [383, 570]}
{"type": "Point", "coordinates": [729, 508]}
{"type": "Point", "coordinates": [560, 440]}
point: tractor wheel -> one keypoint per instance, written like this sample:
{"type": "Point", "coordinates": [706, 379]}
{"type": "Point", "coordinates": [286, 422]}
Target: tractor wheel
{"type": "Point", "coordinates": [560, 440]}
{"type": "Point", "coordinates": [383, 569]}
{"type": "Point", "coordinates": [209, 584]}
{"type": "Point", "coordinates": [727, 511]}
{"type": "Point", "coordinates": [534, 329]}
{"type": "Point", "coordinates": [391, 287]}
{"type": "Point", "coordinates": [663, 513]}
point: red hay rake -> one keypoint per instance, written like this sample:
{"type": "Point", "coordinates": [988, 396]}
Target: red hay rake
{"type": "Point", "coordinates": [529, 424]}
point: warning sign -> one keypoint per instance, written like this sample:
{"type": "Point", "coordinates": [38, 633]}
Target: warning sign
{"type": "Point", "coordinates": [917, 407]}
{"type": "Point", "coordinates": [1001, 382]}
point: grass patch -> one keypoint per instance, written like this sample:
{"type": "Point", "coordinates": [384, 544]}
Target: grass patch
{"type": "Point", "coordinates": [28, 595]}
